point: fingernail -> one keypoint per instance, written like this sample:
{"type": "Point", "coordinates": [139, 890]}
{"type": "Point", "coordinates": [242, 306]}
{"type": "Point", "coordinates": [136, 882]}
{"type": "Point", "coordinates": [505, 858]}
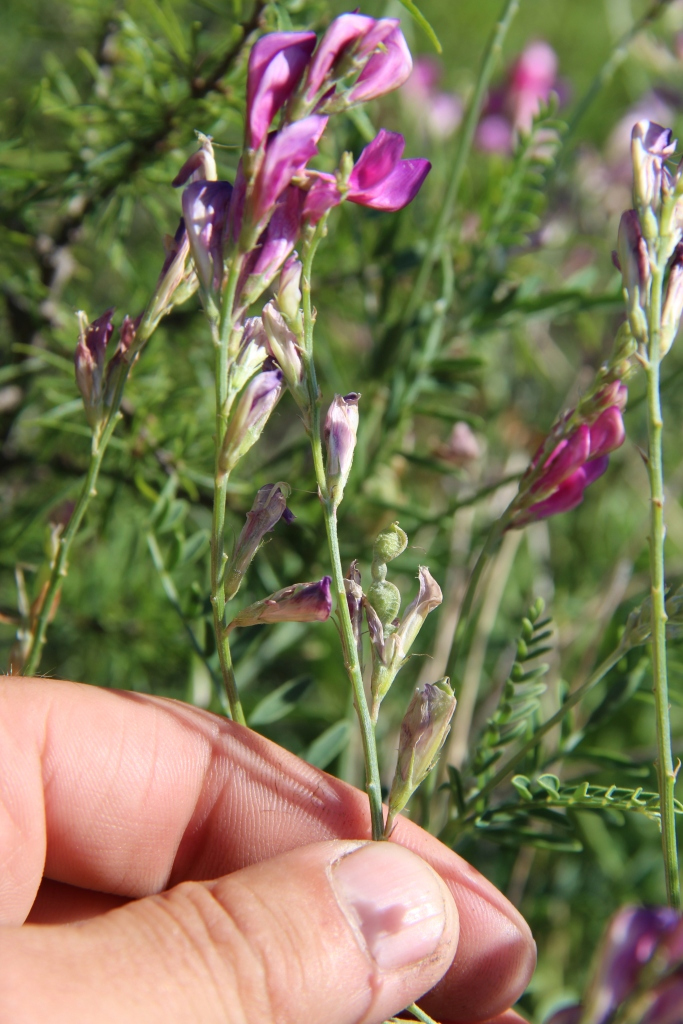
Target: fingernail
{"type": "Point", "coordinates": [394, 902]}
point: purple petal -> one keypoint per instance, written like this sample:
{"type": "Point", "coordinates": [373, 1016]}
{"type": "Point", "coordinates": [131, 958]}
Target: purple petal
{"type": "Point", "coordinates": [287, 154]}
{"type": "Point", "coordinates": [384, 71]}
{"type": "Point", "coordinates": [321, 197]}
{"type": "Point", "coordinates": [98, 334]}
{"type": "Point", "coordinates": [607, 433]}
{"type": "Point", "coordinates": [568, 495]}
{"type": "Point", "coordinates": [564, 460]}
{"type": "Point", "coordinates": [346, 29]}
{"type": "Point", "coordinates": [205, 211]}
{"type": "Point", "coordinates": [595, 468]}
{"type": "Point", "coordinates": [398, 189]}
{"type": "Point", "coordinates": [377, 160]}
{"type": "Point", "coordinates": [276, 63]}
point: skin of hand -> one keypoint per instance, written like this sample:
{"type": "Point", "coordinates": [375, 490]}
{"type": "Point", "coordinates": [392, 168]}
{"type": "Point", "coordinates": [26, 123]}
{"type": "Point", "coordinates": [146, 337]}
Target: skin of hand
{"type": "Point", "coordinates": [161, 864]}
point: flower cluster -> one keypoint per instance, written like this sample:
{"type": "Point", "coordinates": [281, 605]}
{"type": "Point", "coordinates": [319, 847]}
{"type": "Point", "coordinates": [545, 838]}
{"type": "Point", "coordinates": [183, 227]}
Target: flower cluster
{"type": "Point", "coordinates": [639, 966]}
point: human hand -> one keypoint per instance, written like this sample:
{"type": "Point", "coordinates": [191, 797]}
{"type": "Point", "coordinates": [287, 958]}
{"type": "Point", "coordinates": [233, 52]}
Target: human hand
{"type": "Point", "coordinates": [217, 878]}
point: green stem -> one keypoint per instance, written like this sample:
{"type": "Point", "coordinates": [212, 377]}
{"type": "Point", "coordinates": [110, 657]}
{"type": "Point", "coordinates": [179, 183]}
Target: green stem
{"type": "Point", "coordinates": [665, 769]}
{"type": "Point", "coordinates": [99, 443]}
{"type": "Point", "coordinates": [538, 735]}
{"type": "Point", "coordinates": [476, 104]}
{"type": "Point", "coordinates": [223, 337]}
{"type": "Point", "coordinates": [372, 780]}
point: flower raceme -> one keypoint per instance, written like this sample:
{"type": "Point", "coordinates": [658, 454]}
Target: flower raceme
{"type": "Point", "coordinates": [558, 483]}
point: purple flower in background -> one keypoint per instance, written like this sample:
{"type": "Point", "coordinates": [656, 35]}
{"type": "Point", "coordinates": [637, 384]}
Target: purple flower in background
{"type": "Point", "coordinates": [287, 154]}
{"type": "Point", "coordinates": [512, 108]}
{"type": "Point", "coordinates": [302, 602]}
{"type": "Point", "coordinates": [436, 112]}
{"type": "Point", "coordinates": [276, 63]}
{"type": "Point", "coordinates": [205, 212]}
{"type": "Point", "coordinates": [575, 463]}
{"type": "Point", "coordinates": [350, 39]}
{"type": "Point", "coordinates": [380, 179]}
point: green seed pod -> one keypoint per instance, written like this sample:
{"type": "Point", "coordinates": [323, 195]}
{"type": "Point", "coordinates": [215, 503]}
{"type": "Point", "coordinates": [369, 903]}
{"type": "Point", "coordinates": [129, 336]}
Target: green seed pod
{"type": "Point", "coordinates": [385, 598]}
{"type": "Point", "coordinates": [390, 543]}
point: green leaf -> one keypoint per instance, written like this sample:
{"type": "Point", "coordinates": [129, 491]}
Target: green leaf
{"type": "Point", "coordinates": [419, 17]}
{"type": "Point", "coordinates": [329, 744]}
{"type": "Point", "coordinates": [280, 702]}
{"type": "Point", "coordinates": [194, 547]}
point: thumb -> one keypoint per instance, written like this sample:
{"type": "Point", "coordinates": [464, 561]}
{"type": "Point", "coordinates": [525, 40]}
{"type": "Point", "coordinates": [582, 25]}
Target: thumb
{"type": "Point", "coordinates": [332, 933]}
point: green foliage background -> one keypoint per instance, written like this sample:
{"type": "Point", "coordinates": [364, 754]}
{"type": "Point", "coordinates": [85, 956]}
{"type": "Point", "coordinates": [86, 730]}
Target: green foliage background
{"type": "Point", "coordinates": [99, 101]}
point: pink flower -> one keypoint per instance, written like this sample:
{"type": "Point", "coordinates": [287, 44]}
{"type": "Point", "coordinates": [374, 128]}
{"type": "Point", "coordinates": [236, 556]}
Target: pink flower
{"type": "Point", "coordinates": [274, 245]}
{"type": "Point", "coordinates": [385, 70]}
{"type": "Point", "coordinates": [575, 463]}
{"type": "Point", "coordinates": [287, 154]}
{"type": "Point", "coordinates": [438, 113]}
{"type": "Point", "coordinates": [348, 42]}
{"type": "Point", "coordinates": [380, 179]}
{"type": "Point", "coordinates": [276, 63]}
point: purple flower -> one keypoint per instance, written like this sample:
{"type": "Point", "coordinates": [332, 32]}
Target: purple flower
{"type": "Point", "coordinates": [254, 407]}
{"type": "Point", "coordinates": [205, 212]}
{"type": "Point", "coordinates": [276, 63]}
{"type": "Point", "coordinates": [287, 154]}
{"type": "Point", "coordinates": [513, 107]}
{"type": "Point", "coordinates": [303, 602]}
{"type": "Point", "coordinates": [282, 346]}
{"type": "Point", "coordinates": [385, 71]}
{"type": "Point", "coordinates": [341, 427]}
{"type": "Point", "coordinates": [437, 113]}
{"type": "Point", "coordinates": [270, 505]}
{"type": "Point", "coordinates": [274, 245]}
{"type": "Point", "coordinates": [349, 40]}
{"type": "Point", "coordinates": [575, 463]}
{"type": "Point", "coordinates": [651, 146]}
{"type": "Point", "coordinates": [380, 179]}
{"type": "Point", "coordinates": [89, 362]}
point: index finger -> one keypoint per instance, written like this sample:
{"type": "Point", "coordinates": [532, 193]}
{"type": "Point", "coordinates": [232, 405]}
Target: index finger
{"type": "Point", "coordinates": [128, 794]}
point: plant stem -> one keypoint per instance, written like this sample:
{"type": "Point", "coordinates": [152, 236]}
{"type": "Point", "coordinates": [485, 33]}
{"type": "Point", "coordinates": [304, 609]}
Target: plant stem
{"type": "Point", "coordinates": [223, 337]}
{"type": "Point", "coordinates": [665, 769]}
{"type": "Point", "coordinates": [348, 641]}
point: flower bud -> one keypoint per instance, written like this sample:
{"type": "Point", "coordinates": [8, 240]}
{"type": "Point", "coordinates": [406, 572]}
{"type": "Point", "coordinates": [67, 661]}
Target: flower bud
{"type": "Point", "coordinates": [424, 728]}
{"type": "Point", "coordinates": [651, 145]}
{"type": "Point", "coordinates": [302, 602]}
{"type": "Point", "coordinates": [89, 362]}
{"type": "Point", "coordinates": [255, 405]}
{"type": "Point", "coordinates": [282, 346]}
{"type": "Point", "coordinates": [289, 292]}
{"type": "Point", "coordinates": [252, 353]}
{"type": "Point", "coordinates": [341, 427]}
{"type": "Point", "coordinates": [634, 264]}
{"type": "Point", "coordinates": [270, 505]}
{"type": "Point", "coordinates": [673, 302]}
{"type": "Point", "coordinates": [205, 211]}
{"type": "Point", "coordinates": [201, 166]}
{"type": "Point", "coordinates": [177, 280]}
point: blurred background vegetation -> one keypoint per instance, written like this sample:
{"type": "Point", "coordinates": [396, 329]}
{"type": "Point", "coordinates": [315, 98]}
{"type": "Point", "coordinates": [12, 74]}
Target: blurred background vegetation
{"type": "Point", "coordinates": [99, 102]}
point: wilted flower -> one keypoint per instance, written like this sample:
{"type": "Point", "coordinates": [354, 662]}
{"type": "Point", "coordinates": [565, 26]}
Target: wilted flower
{"type": "Point", "coordinates": [633, 261]}
{"type": "Point", "coordinates": [380, 179]}
{"type": "Point", "coordinates": [354, 600]}
{"type": "Point", "coordinates": [571, 466]}
{"type": "Point", "coordinates": [276, 63]}
{"type": "Point", "coordinates": [283, 347]}
{"type": "Point", "coordinates": [289, 292]}
{"type": "Point", "coordinates": [177, 282]}
{"type": "Point", "coordinates": [254, 406]}
{"type": "Point", "coordinates": [424, 728]}
{"type": "Point", "coordinates": [201, 166]}
{"type": "Point", "coordinates": [205, 212]}
{"type": "Point", "coordinates": [341, 427]}
{"type": "Point", "coordinates": [89, 361]}
{"type": "Point", "coordinates": [651, 146]}
{"type": "Point", "coordinates": [390, 652]}
{"type": "Point", "coordinates": [673, 302]}
{"type": "Point", "coordinates": [270, 505]}
{"type": "Point", "coordinates": [302, 602]}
